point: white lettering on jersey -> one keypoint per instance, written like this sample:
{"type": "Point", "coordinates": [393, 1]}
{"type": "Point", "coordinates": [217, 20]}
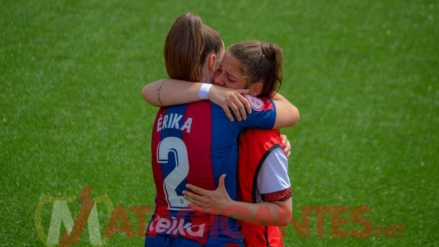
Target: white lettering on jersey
{"type": "Point", "coordinates": [187, 125]}
{"type": "Point", "coordinates": [176, 227]}
{"type": "Point", "coordinates": [173, 121]}
{"type": "Point", "coordinates": [255, 103]}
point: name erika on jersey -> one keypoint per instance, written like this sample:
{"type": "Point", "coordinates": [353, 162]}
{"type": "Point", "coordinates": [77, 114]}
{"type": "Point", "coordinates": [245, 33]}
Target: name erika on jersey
{"type": "Point", "coordinates": [174, 120]}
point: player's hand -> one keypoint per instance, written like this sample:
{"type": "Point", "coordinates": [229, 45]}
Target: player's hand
{"type": "Point", "coordinates": [287, 149]}
{"type": "Point", "coordinates": [208, 201]}
{"type": "Point", "coordinates": [230, 100]}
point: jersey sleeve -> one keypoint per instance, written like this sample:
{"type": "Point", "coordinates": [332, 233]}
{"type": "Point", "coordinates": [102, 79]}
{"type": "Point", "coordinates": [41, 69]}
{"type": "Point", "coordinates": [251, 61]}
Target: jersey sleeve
{"type": "Point", "coordinates": [263, 115]}
{"type": "Point", "coordinates": [273, 181]}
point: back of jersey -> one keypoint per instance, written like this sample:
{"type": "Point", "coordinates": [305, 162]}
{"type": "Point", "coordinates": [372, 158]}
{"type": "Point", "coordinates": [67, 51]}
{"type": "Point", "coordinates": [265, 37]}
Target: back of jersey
{"type": "Point", "coordinates": [196, 143]}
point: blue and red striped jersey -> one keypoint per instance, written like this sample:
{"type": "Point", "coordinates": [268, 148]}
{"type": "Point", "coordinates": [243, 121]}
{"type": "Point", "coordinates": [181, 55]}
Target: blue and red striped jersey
{"type": "Point", "coordinates": [196, 143]}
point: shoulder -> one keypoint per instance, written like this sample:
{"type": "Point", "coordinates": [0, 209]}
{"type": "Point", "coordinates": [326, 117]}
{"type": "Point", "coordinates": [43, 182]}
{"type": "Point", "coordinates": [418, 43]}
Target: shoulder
{"type": "Point", "coordinates": [259, 104]}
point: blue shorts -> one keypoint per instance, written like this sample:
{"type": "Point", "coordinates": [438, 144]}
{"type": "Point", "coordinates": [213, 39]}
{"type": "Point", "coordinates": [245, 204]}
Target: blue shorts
{"type": "Point", "coordinates": [166, 241]}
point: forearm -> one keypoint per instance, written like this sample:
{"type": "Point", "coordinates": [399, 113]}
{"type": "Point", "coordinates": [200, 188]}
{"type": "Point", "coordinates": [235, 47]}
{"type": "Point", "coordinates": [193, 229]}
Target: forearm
{"type": "Point", "coordinates": [167, 92]}
{"type": "Point", "coordinates": [263, 214]}
{"type": "Point", "coordinates": [218, 202]}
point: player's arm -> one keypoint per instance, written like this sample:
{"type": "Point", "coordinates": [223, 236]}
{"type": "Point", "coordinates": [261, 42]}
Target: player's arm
{"type": "Point", "coordinates": [218, 202]}
{"type": "Point", "coordinates": [287, 114]}
{"type": "Point", "coordinates": [167, 92]}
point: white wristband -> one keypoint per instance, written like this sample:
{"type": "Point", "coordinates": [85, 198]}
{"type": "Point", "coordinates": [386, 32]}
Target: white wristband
{"type": "Point", "coordinates": [204, 91]}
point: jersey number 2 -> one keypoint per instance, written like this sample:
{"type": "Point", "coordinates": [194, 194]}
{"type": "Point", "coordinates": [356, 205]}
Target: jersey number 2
{"type": "Point", "coordinates": [177, 148]}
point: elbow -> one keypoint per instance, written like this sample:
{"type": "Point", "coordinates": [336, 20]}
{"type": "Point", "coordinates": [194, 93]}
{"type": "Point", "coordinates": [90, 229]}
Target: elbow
{"type": "Point", "coordinates": [287, 118]}
{"type": "Point", "coordinates": [148, 94]}
{"type": "Point", "coordinates": [295, 116]}
{"type": "Point", "coordinates": [286, 213]}
{"type": "Point", "coordinates": [286, 218]}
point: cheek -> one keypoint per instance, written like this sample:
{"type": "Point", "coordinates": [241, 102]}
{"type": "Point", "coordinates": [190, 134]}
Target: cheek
{"type": "Point", "coordinates": [216, 78]}
{"type": "Point", "coordinates": [215, 75]}
{"type": "Point", "coordinates": [238, 85]}
{"type": "Point", "coordinates": [233, 85]}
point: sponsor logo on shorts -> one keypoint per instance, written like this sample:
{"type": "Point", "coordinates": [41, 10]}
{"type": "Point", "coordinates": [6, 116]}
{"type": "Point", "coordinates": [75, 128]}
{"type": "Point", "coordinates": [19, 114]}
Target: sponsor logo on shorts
{"type": "Point", "coordinates": [176, 226]}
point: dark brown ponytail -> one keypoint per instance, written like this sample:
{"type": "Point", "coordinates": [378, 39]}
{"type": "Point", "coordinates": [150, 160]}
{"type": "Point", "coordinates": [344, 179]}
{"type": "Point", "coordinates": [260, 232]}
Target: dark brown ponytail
{"type": "Point", "coordinates": [183, 48]}
{"type": "Point", "coordinates": [187, 46]}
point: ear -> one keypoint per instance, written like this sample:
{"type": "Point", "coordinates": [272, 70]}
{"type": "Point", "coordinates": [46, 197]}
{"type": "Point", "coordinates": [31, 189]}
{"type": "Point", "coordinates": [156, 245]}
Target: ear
{"type": "Point", "coordinates": [255, 89]}
{"type": "Point", "coordinates": [211, 58]}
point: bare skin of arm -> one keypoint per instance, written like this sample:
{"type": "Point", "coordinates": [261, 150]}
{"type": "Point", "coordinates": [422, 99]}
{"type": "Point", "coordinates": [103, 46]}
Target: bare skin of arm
{"type": "Point", "coordinates": [218, 202]}
{"type": "Point", "coordinates": [286, 113]}
{"type": "Point", "coordinates": [167, 92]}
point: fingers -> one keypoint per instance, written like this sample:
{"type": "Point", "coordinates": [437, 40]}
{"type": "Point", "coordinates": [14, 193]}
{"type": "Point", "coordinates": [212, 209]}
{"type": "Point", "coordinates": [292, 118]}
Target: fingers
{"type": "Point", "coordinates": [193, 198]}
{"type": "Point", "coordinates": [231, 100]}
{"type": "Point", "coordinates": [228, 113]}
{"type": "Point", "coordinates": [200, 203]}
{"type": "Point", "coordinates": [222, 191]}
{"type": "Point", "coordinates": [239, 105]}
{"type": "Point", "coordinates": [231, 106]}
{"type": "Point", "coordinates": [196, 190]}
{"type": "Point", "coordinates": [287, 145]}
{"type": "Point", "coordinates": [246, 105]}
{"type": "Point", "coordinates": [236, 111]}
{"type": "Point", "coordinates": [287, 150]}
{"type": "Point", "coordinates": [284, 138]}
{"type": "Point", "coordinates": [197, 208]}
{"type": "Point", "coordinates": [221, 182]}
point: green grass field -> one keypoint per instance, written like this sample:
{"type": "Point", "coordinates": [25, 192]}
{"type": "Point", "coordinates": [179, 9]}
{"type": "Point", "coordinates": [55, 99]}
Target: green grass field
{"type": "Point", "coordinates": [364, 75]}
